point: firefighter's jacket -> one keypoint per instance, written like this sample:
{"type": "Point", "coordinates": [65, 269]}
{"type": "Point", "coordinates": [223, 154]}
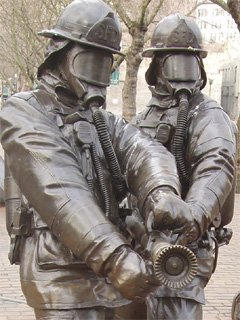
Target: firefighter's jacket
{"type": "Point", "coordinates": [210, 158]}
{"type": "Point", "coordinates": [61, 263]}
{"type": "Point", "coordinates": [210, 154]}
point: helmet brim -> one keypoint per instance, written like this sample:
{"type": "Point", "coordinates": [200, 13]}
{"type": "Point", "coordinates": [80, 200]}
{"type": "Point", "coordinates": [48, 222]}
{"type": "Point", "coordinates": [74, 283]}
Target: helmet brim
{"type": "Point", "coordinates": [149, 53]}
{"type": "Point", "coordinates": [53, 33]}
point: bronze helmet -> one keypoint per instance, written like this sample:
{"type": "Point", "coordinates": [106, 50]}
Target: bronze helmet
{"type": "Point", "coordinates": [176, 33]}
{"type": "Point", "coordinates": [88, 22]}
{"type": "Point", "coordinates": [179, 34]}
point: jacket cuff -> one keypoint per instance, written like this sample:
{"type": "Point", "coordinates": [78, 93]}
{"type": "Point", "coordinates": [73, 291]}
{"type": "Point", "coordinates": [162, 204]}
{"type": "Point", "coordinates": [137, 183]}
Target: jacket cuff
{"type": "Point", "coordinates": [87, 233]}
{"type": "Point", "coordinates": [201, 216]}
{"type": "Point", "coordinates": [150, 185]}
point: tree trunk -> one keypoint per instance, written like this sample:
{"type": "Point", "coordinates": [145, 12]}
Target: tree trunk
{"type": "Point", "coordinates": [133, 61]}
{"type": "Point", "coordinates": [234, 7]}
{"type": "Point", "coordinates": [130, 88]}
{"type": "Point", "coordinates": [238, 158]}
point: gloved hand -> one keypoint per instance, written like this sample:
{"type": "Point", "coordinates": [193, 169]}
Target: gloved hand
{"type": "Point", "coordinates": [130, 274]}
{"type": "Point", "coordinates": [164, 210]}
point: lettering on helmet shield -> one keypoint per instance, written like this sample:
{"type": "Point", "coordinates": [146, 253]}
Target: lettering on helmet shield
{"type": "Point", "coordinates": [182, 36]}
{"type": "Point", "coordinates": [106, 33]}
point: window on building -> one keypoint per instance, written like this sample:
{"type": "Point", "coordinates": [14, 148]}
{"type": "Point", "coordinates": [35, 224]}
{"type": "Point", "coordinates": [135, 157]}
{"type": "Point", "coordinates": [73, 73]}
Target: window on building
{"type": "Point", "coordinates": [202, 13]}
{"type": "Point", "coordinates": [235, 74]}
{"type": "Point", "coordinates": [203, 25]}
{"type": "Point", "coordinates": [213, 36]}
{"type": "Point", "coordinates": [225, 75]}
{"type": "Point", "coordinates": [114, 80]}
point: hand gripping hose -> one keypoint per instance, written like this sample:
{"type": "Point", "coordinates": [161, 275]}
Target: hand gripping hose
{"type": "Point", "coordinates": [175, 266]}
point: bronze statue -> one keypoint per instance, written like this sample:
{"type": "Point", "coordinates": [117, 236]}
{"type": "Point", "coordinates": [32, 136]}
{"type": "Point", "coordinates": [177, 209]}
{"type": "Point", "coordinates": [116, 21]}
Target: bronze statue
{"type": "Point", "coordinates": [236, 307]}
{"type": "Point", "coordinates": [198, 132]}
{"type": "Point", "coordinates": [68, 166]}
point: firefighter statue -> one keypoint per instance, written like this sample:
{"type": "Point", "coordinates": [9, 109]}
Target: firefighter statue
{"type": "Point", "coordinates": [202, 138]}
{"type": "Point", "coordinates": [68, 166]}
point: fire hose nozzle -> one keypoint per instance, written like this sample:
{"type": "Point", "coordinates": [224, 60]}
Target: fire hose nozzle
{"type": "Point", "coordinates": [175, 266]}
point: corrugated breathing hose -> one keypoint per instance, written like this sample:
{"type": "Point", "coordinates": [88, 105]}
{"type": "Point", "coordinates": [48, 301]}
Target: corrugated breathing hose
{"type": "Point", "coordinates": [179, 138]}
{"type": "Point", "coordinates": [104, 138]}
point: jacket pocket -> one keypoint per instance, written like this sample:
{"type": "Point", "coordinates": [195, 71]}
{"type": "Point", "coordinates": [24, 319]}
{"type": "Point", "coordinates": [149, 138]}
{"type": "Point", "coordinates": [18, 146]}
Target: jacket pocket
{"type": "Point", "coordinates": [52, 254]}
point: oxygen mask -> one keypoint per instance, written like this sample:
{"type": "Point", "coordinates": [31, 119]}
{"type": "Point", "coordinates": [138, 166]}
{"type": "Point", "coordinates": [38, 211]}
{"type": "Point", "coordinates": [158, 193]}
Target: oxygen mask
{"type": "Point", "coordinates": [86, 72]}
{"type": "Point", "coordinates": [180, 73]}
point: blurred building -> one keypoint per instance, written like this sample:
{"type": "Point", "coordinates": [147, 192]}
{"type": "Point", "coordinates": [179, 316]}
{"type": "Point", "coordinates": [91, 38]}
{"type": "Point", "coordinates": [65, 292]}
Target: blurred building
{"type": "Point", "coordinates": [1, 180]}
{"type": "Point", "coordinates": [230, 97]}
{"type": "Point", "coordinates": [216, 24]}
{"type": "Point", "coordinates": [221, 38]}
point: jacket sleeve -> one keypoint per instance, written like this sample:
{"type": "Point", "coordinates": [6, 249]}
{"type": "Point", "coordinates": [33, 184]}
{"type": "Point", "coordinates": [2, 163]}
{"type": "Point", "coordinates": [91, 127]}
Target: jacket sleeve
{"type": "Point", "coordinates": [211, 159]}
{"type": "Point", "coordinates": [146, 163]}
{"type": "Point", "coordinates": [47, 172]}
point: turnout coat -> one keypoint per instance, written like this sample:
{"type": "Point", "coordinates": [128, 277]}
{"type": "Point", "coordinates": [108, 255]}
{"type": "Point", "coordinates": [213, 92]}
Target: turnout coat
{"type": "Point", "coordinates": [62, 259]}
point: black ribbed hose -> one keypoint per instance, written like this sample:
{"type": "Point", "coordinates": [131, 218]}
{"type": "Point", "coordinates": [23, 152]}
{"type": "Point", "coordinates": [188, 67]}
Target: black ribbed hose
{"type": "Point", "coordinates": [106, 143]}
{"type": "Point", "coordinates": [101, 180]}
{"type": "Point", "coordinates": [179, 138]}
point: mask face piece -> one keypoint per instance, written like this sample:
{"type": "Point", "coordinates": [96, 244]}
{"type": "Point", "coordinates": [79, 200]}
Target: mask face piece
{"type": "Point", "coordinates": [181, 68]}
{"type": "Point", "coordinates": [178, 71]}
{"type": "Point", "coordinates": [92, 66]}
{"type": "Point", "coordinates": [86, 69]}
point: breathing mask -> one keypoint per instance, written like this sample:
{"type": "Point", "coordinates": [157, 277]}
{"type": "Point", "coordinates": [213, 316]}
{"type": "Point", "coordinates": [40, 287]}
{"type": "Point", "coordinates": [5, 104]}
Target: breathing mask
{"type": "Point", "coordinates": [86, 71]}
{"type": "Point", "coordinates": [178, 71]}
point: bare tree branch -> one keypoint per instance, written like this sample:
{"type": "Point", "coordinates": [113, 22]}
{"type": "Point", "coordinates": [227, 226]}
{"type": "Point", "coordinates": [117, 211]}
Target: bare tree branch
{"type": "Point", "coordinates": [232, 7]}
{"type": "Point", "coordinates": [155, 12]}
{"type": "Point", "coordinates": [22, 50]}
{"type": "Point", "coordinates": [222, 4]}
{"type": "Point", "coordinates": [145, 5]}
{"type": "Point", "coordinates": [118, 7]}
